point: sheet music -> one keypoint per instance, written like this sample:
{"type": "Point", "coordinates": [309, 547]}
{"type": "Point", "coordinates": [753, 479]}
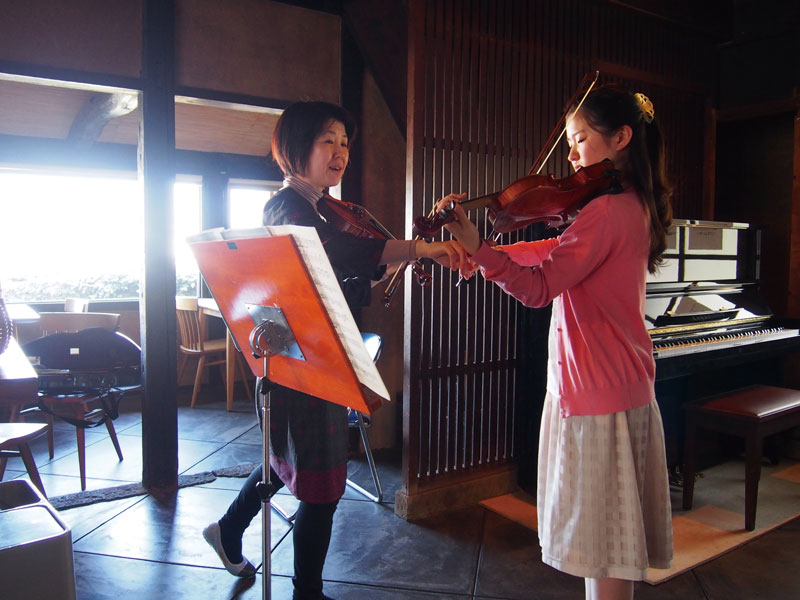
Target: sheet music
{"type": "Point", "coordinates": [310, 247]}
{"type": "Point", "coordinates": [220, 233]}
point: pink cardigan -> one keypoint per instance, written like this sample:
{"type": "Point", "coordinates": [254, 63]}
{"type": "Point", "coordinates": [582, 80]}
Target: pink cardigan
{"type": "Point", "coordinates": [600, 354]}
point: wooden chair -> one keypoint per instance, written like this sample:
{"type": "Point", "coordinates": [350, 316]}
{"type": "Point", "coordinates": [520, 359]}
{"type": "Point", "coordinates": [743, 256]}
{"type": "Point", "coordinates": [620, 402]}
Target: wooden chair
{"type": "Point", "coordinates": [76, 407]}
{"type": "Point", "coordinates": [14, 438]}
{"type": "Point", "coordinates": [66, 322]}
{"type": "Point", "coordinates": [193, 344]}
{"type": "Point", "coordinates": [76, 305]}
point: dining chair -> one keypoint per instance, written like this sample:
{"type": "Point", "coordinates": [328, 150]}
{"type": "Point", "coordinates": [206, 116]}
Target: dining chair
{"type": "Point", "coordinates": [84, 408]}
{"type": "Point", "coordinates": [14, 438]}
{"type": "Point", "coordinates": [193, 344]}
{"type": "Point", "coordinates": [62, 322]}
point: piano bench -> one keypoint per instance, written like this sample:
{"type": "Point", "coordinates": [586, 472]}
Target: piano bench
{"type": "Point", "coordinates": [752, 413]}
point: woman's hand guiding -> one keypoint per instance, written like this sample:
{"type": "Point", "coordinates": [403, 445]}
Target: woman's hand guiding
{"type": "Point", "coordinates": [462, 228]}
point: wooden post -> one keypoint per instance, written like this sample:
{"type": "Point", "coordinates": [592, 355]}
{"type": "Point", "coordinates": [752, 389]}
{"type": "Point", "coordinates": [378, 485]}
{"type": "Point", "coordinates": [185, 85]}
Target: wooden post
{"type": "Point", "coordinates": [709, 161]}
{"type": "Point", "coordinates": [215, 210]}
{"type": "Point", "coordinates": [414, 122]}
{"type": "Point", "coordinates": [794, 257]}
{"type": "Point", "coordinates": [156, 163]}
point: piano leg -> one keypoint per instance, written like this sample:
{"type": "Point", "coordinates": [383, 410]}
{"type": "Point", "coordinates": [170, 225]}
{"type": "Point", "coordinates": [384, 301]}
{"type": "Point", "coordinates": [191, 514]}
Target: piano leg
{"type": "Point", "coordinates": [689, 461]}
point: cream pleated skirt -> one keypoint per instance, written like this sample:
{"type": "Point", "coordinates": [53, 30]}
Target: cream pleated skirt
{"type": "Point", "coordinates": [603, 493]}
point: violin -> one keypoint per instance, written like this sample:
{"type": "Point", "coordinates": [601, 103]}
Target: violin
{"type": "Point", "coordinates": [534, 198]}
{"type": "Point", "coordinates": [358, 221]}
{"type": "Point", "coordinates": [538, 198]}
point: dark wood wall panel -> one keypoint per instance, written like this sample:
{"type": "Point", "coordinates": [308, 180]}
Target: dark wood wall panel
{"type": "Point", "coordinates": [488, 81]}
{"type": "Point", "coordinates": [673, 67]}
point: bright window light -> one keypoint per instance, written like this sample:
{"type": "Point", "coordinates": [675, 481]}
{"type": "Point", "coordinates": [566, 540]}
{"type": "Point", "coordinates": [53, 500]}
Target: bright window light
{"type": "Point", "coordinates": [187, 199]}
{"type": "Point", "coordinates": [70, 235]}
{"type": "Point", "coordinates": [246, 204]}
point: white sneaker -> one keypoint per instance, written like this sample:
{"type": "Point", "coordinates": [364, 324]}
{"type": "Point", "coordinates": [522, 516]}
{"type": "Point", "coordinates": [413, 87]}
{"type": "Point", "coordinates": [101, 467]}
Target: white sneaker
{"type": "Point", "coordinates": [213, 536]}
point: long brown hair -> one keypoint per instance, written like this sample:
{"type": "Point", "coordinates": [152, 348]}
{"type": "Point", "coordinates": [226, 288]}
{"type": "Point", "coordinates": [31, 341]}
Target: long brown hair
{"type": "Point", "coordinates": [608, 108]}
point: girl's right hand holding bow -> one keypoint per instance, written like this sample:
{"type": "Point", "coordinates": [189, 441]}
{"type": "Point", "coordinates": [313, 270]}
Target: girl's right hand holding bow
{"type": "Point", "coordinates": [462, 229]}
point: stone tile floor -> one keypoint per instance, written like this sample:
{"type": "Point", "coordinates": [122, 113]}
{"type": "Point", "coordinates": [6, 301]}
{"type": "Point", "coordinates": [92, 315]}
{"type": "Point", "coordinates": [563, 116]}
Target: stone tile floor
{"type": "Point", "coordinates": [145, 547]}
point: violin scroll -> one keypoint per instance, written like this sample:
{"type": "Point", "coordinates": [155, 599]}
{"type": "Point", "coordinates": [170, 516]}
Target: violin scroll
{"type": "Point", "coordinates": [534, 198]}
{"type": "Point", "coordinates": [427, 227]}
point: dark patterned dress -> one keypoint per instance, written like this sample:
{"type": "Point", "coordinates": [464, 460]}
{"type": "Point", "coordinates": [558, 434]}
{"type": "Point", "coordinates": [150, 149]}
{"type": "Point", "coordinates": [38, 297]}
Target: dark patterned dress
{"type": "Point", "coordinates": [308, 436]}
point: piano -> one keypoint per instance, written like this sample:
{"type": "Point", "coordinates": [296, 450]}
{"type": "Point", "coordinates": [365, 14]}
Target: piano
{"type": "Point", "coordinates": [711, 328]}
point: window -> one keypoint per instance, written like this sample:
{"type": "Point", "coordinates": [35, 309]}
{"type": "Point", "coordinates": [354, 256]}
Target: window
{"type": "Point", "coordinates": [187, 202]}
{"type": "Point", "coordinates": [69, 236]}
{"type": "Point", "coordinates": [76, 235]}
{"type": "Point", "coordinates": [246, 202]}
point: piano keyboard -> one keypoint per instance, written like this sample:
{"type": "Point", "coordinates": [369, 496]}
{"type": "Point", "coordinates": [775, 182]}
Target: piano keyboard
{"type": "Point", "coordinates": [666, 348]}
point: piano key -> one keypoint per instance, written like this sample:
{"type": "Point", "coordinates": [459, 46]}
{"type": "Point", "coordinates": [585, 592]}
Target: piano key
{"type": "Point", "coordinates": [718, 342]}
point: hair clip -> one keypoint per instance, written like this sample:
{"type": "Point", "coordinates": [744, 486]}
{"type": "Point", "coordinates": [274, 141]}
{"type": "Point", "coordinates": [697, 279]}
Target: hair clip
{"type": "Point", "coordinates": [646, 106]}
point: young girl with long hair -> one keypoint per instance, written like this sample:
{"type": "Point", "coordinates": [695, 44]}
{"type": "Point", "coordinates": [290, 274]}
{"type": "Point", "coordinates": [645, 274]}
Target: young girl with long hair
{"type": "Point", "coordinates": [603, 496]}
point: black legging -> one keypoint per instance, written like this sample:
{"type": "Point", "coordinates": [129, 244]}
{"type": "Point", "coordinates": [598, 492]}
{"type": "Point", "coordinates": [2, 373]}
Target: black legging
{"type": "Point", "coordinates": [311, 534]}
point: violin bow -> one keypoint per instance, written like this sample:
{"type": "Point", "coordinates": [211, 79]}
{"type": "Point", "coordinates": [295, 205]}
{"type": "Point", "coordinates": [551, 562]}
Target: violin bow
{"type": "Point", "coordinates": [393, 284]}
{"type": "Point", "coordinates": [560, 123]}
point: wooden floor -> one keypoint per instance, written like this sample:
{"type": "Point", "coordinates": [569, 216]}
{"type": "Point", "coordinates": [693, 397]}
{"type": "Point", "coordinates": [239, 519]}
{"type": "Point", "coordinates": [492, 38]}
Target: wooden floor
{"type": "Point", "coordinates": [142, 547]}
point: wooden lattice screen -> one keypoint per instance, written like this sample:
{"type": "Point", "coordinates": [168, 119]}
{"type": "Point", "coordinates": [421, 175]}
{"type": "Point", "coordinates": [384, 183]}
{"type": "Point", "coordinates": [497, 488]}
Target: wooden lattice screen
{"type": "Point", "coordinates": [488, 80]}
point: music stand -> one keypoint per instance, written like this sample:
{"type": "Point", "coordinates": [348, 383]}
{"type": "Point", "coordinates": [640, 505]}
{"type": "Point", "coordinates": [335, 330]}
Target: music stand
{"type": "Point", "coordinates": [279, 298]}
